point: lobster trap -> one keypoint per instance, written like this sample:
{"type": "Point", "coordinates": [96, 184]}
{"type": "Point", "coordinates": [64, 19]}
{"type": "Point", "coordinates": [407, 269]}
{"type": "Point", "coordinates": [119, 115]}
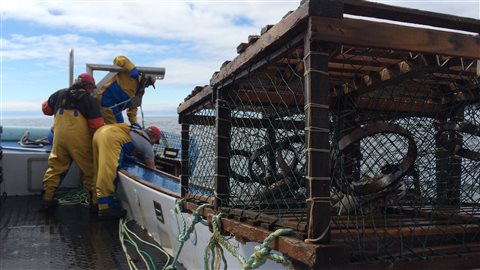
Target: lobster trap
{"type": "Point", "coordinates": [355, 138]}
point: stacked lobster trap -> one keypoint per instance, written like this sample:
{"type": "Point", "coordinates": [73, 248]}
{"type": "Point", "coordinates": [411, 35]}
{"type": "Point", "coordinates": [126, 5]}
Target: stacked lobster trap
{"type": "Point", "coordinates": [373, 146]}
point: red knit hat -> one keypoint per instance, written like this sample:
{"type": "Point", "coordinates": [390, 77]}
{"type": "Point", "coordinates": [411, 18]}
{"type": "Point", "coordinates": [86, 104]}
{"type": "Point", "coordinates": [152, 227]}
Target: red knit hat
{"type": "Point", "coordinates": [156, 131]}
{"type": "Point", "coordinates": [87, 78]}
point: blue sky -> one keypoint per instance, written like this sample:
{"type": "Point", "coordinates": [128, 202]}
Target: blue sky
{"type": "Point", "coordinates": [191, 39]}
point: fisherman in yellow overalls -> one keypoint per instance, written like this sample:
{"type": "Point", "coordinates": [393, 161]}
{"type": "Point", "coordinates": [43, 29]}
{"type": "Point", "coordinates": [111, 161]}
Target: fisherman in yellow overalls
{"type": "Point", "coordinates": [110, 145]}
{"type": "Point", "coordinates": [123, 92]}
{"type": "Point", "coordinates": [77, 117]}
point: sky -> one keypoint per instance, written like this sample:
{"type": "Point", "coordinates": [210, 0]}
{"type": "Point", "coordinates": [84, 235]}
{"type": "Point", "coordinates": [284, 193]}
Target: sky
{"type": "Point", "coordinates": [191, 39]}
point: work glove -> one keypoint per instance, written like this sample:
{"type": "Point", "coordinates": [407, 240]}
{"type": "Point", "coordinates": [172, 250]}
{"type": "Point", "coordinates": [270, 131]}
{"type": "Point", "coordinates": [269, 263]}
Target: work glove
{"type": "Point", "coordinates": [134, 73]}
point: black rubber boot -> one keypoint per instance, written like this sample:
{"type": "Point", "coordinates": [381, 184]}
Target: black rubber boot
{"type": "Point", "coordinates": [111, 213]}
{"type": "Point", "coordinates": [93, 206]}
{"type": "Point", "coordinates": [48, 205]}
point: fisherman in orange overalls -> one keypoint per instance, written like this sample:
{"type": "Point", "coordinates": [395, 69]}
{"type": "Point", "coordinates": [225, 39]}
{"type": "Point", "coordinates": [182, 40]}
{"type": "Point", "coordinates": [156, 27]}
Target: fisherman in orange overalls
{"type": "Point", "coordinates": [77, 117]}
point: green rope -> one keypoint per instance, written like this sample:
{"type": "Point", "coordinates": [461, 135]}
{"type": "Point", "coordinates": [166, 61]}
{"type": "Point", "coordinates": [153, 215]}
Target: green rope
{"type": "Point", "coordinates": [258, 258]}
{"type": "Point", "coordinates": [185, 234]}
{"type": "Point", "coordinates": [263, 252]}
{"type": "Point", "coordinates": [133, 244]}
{"type": "Point", "coordinates": [215, 243]}
{"type": "Point", "coordinates": [73, 197]}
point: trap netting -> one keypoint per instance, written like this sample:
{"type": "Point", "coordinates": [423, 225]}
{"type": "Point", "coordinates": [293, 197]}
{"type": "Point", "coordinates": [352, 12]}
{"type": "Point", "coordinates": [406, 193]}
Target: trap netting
{"type": "Point", "coordinates": [202, 159]}
{"type": "Point", "coordinates": [266, 164]}
{"type": "Point", "coordinates": [405, 153]}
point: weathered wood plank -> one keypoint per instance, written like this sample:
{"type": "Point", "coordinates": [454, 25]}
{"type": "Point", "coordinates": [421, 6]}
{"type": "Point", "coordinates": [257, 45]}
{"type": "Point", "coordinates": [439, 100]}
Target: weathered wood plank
{"type": "Point", "coordinates": [379, 35]}
{"type": "Point", "coordinates": [382, 11]}
{"type": "Point", "coordinates": [271, 97]}
{"type": "Point", "coordinates": [242, 47]}
{"type": "Point", "coordinates": [248, 122]}
{"type": "Point", "coordinates": [310, 254]}
{"type": "Point", "coordinates": [317, 101]}
{"type": "Point", "coordinates": [185, 169]}
{"type": "Point", "coordinates": [274, 35]}
{"type": "Point", "coordinates": [429, 230]}
{"type": "Point", "coordinates": [222, 148]}
{"type": "Point", "coordinates": [406, 105]}
{"type": "Point", "coordinates": [196, 99]}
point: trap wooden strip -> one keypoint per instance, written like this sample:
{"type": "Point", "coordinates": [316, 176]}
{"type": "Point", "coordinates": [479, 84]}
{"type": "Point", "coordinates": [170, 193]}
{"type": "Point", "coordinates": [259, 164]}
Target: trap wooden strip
{"type": "Point", "coordinates": [429, 230]}
{"type": "Point", "coordinates": [360, 225]}
{"type": "Point", "coordinates": [310, 254]}
{"type": "Point", "coordinates": [382, 11]}
{"type": "Point", "coordinates": [445, 213]}
{"type": "Point", "coordinates": [366, 33]}
{"type": "Point", "coordinates": [442, 249]}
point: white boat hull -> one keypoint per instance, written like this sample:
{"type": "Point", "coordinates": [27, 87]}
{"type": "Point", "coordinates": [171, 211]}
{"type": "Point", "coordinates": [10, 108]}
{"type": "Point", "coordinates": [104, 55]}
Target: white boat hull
{"type": "Point", "coordinates": [139, 200]}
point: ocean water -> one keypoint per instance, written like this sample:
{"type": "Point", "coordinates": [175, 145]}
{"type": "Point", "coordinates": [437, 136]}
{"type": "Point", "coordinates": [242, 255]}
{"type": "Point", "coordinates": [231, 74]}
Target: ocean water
{"type": "Point", "coordinates": [165, 123]}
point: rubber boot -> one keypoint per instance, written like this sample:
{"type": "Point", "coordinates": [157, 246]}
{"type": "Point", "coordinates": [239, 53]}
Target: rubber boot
{"type": "Point", "coordinates": [111, 213]}
{"type": "Point", "coordinates": [47, 204]}
{"type": "Point", "coordinates": [93, 203]}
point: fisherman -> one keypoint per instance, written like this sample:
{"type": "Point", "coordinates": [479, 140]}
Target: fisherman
{"type": "Point", "coordinates": [110, 145]}
{"type": "Point", "coordinates": [77, 117]}
{"type": "Point", "coordinates": [123, 92]}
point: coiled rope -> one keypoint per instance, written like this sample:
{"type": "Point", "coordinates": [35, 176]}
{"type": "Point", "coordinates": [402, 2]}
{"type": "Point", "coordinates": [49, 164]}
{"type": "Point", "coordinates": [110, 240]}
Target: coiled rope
{"type": "Point", "coordinates": [78, 196]}
{"type": "Point", "coordinates": [123, 232]}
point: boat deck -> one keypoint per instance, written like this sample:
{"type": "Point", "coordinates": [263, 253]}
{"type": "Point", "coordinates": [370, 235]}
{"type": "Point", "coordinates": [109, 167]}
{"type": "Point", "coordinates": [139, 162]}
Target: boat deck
{"type": "Point", "coordinates": [68, 238]}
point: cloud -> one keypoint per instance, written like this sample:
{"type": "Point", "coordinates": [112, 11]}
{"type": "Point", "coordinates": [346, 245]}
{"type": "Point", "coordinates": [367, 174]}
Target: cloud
{"type": "Point", "coordinates": [191, 39]}
{"type": "Point", "coordinates": [210, 25]}
{"type": "Point", "coordinates": [188, 72]}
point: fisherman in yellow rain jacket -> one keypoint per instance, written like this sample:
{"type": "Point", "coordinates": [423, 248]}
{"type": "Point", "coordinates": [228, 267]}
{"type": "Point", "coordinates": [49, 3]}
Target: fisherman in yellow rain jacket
{"type": "Point", "coordinates": [77, 117]}
{"type": "Point", "coordinates": [111, 143]}
{"type": "Point", "coordinates": [123, 92]}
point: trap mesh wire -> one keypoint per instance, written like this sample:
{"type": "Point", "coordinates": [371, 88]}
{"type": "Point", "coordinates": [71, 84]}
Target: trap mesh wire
{"type": "Point", "coordinates": [404, 130]}
{"type": "Point", "coordinates": [383, 206]}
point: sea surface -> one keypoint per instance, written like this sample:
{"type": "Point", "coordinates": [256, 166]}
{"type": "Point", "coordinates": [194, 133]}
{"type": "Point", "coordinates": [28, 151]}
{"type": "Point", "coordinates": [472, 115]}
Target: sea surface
{"type": "Point", "coordinates": [165, 123]}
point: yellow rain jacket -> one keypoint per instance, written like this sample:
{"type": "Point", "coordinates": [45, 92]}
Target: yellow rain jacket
{"type": "Point", "coordinates": [114, 97]}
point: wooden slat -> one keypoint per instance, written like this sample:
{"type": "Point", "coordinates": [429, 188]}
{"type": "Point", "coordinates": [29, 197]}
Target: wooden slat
{"type": "Point", "coordinates": [248, 122]}
{"type": "Point", "coordinates": [381, 11]}
{"type": "Point", "coordinates": [222, 149]}
{"type": "Point", "coordinates": [242, 47]}
{"type": "Point", "coordinates": [379, 35]}
{"type": "Point", "coordinates": [185, 169]}
{"type": "Point", "coordinates": [274, 35]}
{"type": "Point", "coordinates": [398, 105]}
{"type": "Point", "coordinates": [417, 231]}
{"type": "Point", "coordinates": [317, 145]}
{"type": "Point", "coordinates": [309, 254]}
{"type": "Point", "coordinates": [275, 98]}
{"type": "Point", "coordinates": [252, 39]}
{"type": "Point", "coordinates": [197, 99]}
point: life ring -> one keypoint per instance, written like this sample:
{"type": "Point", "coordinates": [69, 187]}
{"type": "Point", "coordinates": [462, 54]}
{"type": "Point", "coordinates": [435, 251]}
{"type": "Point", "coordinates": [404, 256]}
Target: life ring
{"type": "Point", "coordinates": [380, 181]}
